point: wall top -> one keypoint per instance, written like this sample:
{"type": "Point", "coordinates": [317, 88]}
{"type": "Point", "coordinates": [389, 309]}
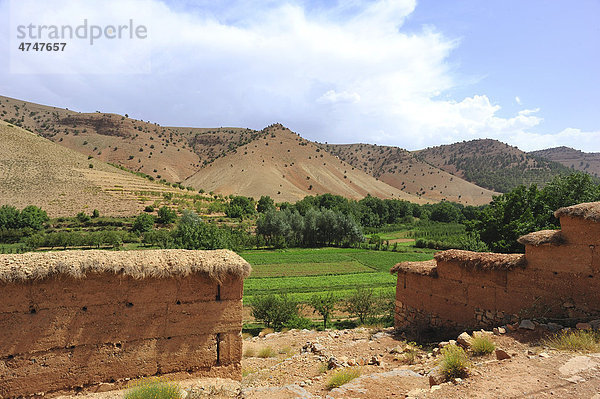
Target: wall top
{"type": "Point", "coordinates": [160, 263]}
{"type": "Point", "coordinates": [554, 237]}
{"type": "Point", "coordinates": [426, 268]}
{"type": "Point", "coordinates": [587, 210]}
{"type": "Point", "coordinates": [482, 260]}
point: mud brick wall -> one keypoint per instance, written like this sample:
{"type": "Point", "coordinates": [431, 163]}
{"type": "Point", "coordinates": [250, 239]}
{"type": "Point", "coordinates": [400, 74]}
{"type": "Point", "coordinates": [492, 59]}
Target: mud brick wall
{"type": "Point", "coordinates": [558, 280]}
{"type": "Point", "coordinates": [62, 333]}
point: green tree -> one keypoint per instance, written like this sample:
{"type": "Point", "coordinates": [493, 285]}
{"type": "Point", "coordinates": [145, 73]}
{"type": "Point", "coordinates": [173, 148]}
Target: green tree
{"type": "Point", "coordinates": [95, 213]}
{"type": "Point", "coordinates": [265, 204]}
{"type": "Point", "coordinates": [9, 217]}
{"type": "Point", "coordinates": [33, 217]}
{"type": "Point", "coordinates": [274, 310]}
{"type": "Point", "coordinates": [361, 304]}
{"type": "Point", "coordinates": [166, 215]}
{"type": "Point", "coordinates": [143, 223]}
{"type": "Point", "coordinates": [83, 217]}
{"type": "Point", "coordinates": [324, 305]}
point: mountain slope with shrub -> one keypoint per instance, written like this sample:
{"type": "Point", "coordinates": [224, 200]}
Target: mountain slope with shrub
{"type": "Point", "coordinates": [588, 162]}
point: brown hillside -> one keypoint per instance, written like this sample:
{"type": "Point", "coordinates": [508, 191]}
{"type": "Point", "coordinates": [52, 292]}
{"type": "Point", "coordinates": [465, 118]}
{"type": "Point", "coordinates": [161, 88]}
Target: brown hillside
{"type": "Point", "coordinates": [401, 169]}
{"type": "Point", "coordinates": [287, 167]}
{"type": "Point", "coordinates": [491, 164]}
{"type": "Point", "coordinates": [588, 162]}
{"type": "Point", "coordinates": [171, 153]}
{"type": "Point", "coordinates": [35, 171]}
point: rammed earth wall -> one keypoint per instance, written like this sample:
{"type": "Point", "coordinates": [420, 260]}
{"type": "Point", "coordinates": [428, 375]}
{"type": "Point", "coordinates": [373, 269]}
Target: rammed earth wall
{"type": "Point", "coordinates": [61, 332]}
{"type": "Point", "coordinates": [557, 278]}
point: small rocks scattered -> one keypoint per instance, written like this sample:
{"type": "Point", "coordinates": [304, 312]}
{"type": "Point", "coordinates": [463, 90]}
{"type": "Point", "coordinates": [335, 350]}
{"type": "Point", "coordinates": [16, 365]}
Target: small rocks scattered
{"type": "Point", "coordinates": [583, 326]}
{"type": "Point", "coordinates": [499, 330]}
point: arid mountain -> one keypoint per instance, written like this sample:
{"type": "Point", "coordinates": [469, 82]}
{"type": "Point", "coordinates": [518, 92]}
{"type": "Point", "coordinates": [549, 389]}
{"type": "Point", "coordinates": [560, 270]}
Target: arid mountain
{"type": "Point", "coordinates": [170, 153]}
{"type": "Point", "coordinates": [401, 169]}
{"type": "Point", "coordinates": [588, 162]}
{"type": "Point", "coordinates": [287, 167]}
{"type": "Point", "coordinates": [491, 164]}
{"type": "Point", "coordinates": [36, 171]}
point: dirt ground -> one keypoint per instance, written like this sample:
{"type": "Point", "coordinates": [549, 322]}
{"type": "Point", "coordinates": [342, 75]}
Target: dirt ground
{"type": "Point", "coordinates": [390, 368]}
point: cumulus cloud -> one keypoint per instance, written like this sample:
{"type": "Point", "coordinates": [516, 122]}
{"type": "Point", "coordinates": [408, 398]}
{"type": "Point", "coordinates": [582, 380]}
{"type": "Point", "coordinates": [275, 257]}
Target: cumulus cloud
{"type": "Point", "coordinates": [345, 72]}
{"type": "Point", "coordinates": [518, 100]}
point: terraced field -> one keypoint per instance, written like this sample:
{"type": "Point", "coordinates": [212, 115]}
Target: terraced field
{"type": "Point", "coordinates": [303, 272]}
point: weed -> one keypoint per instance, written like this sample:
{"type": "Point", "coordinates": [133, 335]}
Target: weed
{"type": "Point", "coordinates": [249, 352]}
{"type": "Point", "coordinates": [454, 362]}
{"type": "Point", "coordinates": [323, 367]}
{"type": "Point", "coordinates": [155, 388]}
{"type": "Point", "coordinates": [342, 377]}
{"type": "Point", "coordinates": [266, 352]}
{"type": "Point", "coordinates": [286, 350]}
{"type": "Point", "coordinates": [482, 345]}
{"type": "Point", "coordinates": [575, 341]}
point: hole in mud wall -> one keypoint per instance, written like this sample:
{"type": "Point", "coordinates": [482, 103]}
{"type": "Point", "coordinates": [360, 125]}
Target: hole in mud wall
{"type": "Point", "coordinates": [218, 297]}
{"type": "Point", "coordinates": [33, 309]}
{"type": "Point", "coordinates": [84, 308]}
{"type": "Point", "coordinates": [178, 303]}
{"type": "Point", "coordinates": [129, 304]}
{"type": "Point", "coordinates": [218, 339]}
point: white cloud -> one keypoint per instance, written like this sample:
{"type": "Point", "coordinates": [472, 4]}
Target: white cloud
{"type": "Point", "coordinates": [518, 100]}
{"type": "Point", "coordinates": [346, 73]}
{"type": "Point", "coordinates": [574, 138]}
{"type": "Point", "coordinates": [332, 97]}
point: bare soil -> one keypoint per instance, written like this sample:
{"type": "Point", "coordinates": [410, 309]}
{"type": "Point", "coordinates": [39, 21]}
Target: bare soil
{"type": "Point", "coordinates": [533, 371]}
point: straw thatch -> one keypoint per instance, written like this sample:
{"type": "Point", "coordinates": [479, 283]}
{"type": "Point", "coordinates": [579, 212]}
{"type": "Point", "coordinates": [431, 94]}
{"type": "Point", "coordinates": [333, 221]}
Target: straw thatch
{"type": "Point", "coordinates": [161, 263]}
{"type": "Point", "coordinates": [553, 237]}
{"type": "Point", "coordinates": [482, 260]}
{"type": "Point", "coordinates": [426, 268]}
{"type": "Point", "coordinates": [587, 210]}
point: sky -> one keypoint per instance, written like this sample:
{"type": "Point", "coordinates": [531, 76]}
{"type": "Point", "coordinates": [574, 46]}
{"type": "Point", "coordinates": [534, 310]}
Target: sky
{"type": "Point", "coordinates": [407, 73]}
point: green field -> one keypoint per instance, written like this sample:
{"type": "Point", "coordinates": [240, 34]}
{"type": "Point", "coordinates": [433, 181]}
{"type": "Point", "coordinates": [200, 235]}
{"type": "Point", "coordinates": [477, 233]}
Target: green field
{"type": "Point", "coordinates": [304, 272]}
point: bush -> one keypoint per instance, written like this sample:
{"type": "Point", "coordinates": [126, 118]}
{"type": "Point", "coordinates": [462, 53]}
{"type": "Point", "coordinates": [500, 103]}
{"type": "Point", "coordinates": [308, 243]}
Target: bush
{"type": "Point", "coordinates": [274, 310]}
{"type": "Point", "coordinates": [454, 362]}
{"type": "Point", "coordinates": [153, 388]}
{"type": "Point", "coordinates": [342, 377]}
{"type": "Point", "coordinates": [166, 215]}
{"type": "Point", "coordinates": [143, 223]}
{"type": "Point", "coordinates": [298, 322]}
{"type": "Point", "coordinates": [482, 345]}
{"type": "Point", "coordinates": [266, 352]}
{"type": "Point", "coordinates": [324, 305]}
{"type": "Point", "coordinates": [83, 217]}
{"type": "Point", "coordinates": [575, 341]}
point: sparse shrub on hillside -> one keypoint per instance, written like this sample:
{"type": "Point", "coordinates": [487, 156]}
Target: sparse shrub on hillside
{"type": "Point", "coordinates": [342, 377]}
{"type": "Point", "coordinates": [95, 214]}
{"type": "Point", "coordinates": [266, 352]}
{"type": "Point", "coordinates": [153, 388]}
{"type": "Point", "coordinates": [454, 362]}
{"type": "Point", "coordinates": [83, 217]}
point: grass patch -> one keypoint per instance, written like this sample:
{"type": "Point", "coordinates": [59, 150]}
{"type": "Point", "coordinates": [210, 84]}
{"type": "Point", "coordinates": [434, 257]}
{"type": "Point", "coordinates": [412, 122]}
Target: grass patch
{"type": "Point", "coordinates": [153, 388]}
{"type": "Point", "coordinates": [575, 341]}
{"type": "Point", "coordinates": [266, 352]}
{"type": "Point", "coordinates": [342, 377]}
{"type": "Point", "coordinates": [323, 368]}
{"type": "Point", "coordinates": [286, 350]}
{"type": "Point", "coordinates": [249, 352]}
{"type": "Point", "coordinates": [482, 345]}
{"type": "Point", "coordinates": [454, 362]}
{"type": "Point", "coordinates": [308, 269]}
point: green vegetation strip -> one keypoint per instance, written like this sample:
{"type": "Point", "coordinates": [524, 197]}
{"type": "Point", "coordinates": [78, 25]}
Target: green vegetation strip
{"type": "Point", "coordinates": [308, 269]}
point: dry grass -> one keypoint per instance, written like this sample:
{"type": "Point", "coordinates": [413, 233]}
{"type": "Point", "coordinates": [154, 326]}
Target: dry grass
{"type": "Point", "coordinates": [536, 238]}
{"type": "Point", "coordinates": [586, 210]}
{"type": "Point", "coordinates": [342, 377]}
{"type": "Point", "coordinates": [482, 345]}
{"type": "Point", "coordinates": [482, 260]}
{"type": "Point", "coordinates": [218, 264]}
{"type": "Point", "coordinates": [426, 268]}
{"type": "Point", "coordinates": [575, 341]}
{"type": "Point", "coordinates": [153, 388]}
{"type": "Point", "coordinates": [266, 352]}
{"type": "Point", "coordinates": [454, 362]}
{"type": "Point", "coordinates": [249, 352]}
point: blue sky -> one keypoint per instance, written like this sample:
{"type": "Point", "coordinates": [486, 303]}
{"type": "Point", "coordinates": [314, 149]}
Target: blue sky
{"type": "Point", "coordinates": [398, 72]}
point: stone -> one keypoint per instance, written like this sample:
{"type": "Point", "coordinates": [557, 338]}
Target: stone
{"type": "Point", "coordinates": [502, 355]}
{"type": "Point", "coordinates": [595, 324]}
{"type": "Point", "coordinates": [436, 377]}
{"type": "Point", "coordinates": [375, 361]}
{"type": "Point", "coordinates": [435, 388]}
{"type": "Point", "coordinates": [333, 363]}
{"type": "Point", "coordinates": [583, 326]}
{"type": "Point", "coordinates": [527, 325]}
{"type": "Point", "coordinates": [465, 340]}
{"type": "Point", "coordinates": [397, 349]}
{"type": "Point", "coordinates": [568, 305]}
{"type": "Point", "coordinates": [554, 327]}
{"type": "Point", "coordinates": [443, 343]}
{"type": "Point", "coordinates": [352, 362]}
{"type": "Point", "coordinates": [544, 355]}
{"type": "Point", "coordinates": [499, 330]}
